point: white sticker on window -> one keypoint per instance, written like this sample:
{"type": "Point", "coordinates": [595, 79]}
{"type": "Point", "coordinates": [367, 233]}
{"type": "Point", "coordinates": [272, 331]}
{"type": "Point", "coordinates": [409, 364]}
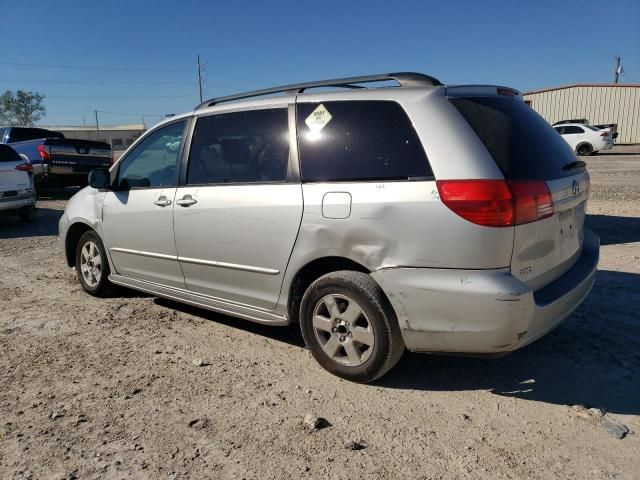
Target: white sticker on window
{"type": "Point", "coordinates": [318, 119]}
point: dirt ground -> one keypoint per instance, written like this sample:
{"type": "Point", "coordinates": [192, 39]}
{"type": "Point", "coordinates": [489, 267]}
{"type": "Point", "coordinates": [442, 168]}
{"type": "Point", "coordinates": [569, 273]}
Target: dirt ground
{"type": "Point", "coordinates": [137, 387]}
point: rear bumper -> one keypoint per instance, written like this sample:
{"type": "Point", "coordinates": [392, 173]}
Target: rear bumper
{"type": "Point", "coordinates": [483, 311]}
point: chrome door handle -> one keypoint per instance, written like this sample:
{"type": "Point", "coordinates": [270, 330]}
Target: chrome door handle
{"type": "Point", "coordinates": [186, 201]}
{"type": "Point", "coordinates": [162, 201]}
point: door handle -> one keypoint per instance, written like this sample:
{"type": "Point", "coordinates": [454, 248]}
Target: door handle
{"type": "Point", "coordinates": [186, 201]}
{"type": "Point", "coordinates": [162, 201]}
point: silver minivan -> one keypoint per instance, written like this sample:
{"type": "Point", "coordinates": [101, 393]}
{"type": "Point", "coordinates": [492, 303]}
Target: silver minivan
{"type": "Point", "coordinates": [441, 219]}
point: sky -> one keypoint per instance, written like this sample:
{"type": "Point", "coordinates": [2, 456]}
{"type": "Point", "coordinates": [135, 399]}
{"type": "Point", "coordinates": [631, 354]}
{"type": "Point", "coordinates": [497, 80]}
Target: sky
{"type": "Point", "coordinates": [136, 60]}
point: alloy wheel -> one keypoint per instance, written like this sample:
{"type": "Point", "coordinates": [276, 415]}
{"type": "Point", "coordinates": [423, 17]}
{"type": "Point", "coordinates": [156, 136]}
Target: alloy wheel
{"type": "Point", "coordinates": [90, 264]}
{"type": "Point", "coordinates": [343, 330]}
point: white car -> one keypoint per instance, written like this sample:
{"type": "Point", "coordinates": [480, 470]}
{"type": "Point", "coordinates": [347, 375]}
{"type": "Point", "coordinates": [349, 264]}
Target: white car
{"type": "Point", "coordinates": [585, 139]}
{"type": "Point", "coordinates": [16, 184]}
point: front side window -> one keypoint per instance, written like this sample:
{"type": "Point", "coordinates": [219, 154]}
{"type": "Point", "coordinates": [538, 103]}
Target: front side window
{"type": "Point", "coordinates": [153, 162]}
{"type": "Point", "coordinates": [240, 147]}
{"type": "Point", "coordinates": [358, 140]}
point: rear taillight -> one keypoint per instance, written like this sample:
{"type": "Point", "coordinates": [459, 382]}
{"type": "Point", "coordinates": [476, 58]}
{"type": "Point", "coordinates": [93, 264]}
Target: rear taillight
{"type": "Point", "coordinates": [604, 134]}
{"type": "Point", "coordinates": [483, 202]}
{"type": "Point", "coordinates": [44, 152]}
{"type": "Point", "coordinates": [111, 157]}
{"type": "Point", "coordinates": [25, 167]}
{"type": "Point", "coordinates": [532, 200]}
{"type": "Point", "coordinates": [497, 203]}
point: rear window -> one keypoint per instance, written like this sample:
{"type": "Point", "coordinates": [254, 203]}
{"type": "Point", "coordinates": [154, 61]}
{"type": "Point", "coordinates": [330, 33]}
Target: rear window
{"type": "Point", "coordinates": [358, 140]}
{"type": "Point", "coordinates": [522, 143]}
{"type": "Point", "coordinates": [8, 154]}
{"type": "Point", "coordinates": [24, 134]}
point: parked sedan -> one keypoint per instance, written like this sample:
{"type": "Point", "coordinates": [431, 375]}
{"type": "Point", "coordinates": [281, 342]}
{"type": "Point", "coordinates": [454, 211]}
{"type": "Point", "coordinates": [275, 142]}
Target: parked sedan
{"type": "Point", "coordinates": [585, 139]}
{"type": "Point", "coordinates": [16, 184]}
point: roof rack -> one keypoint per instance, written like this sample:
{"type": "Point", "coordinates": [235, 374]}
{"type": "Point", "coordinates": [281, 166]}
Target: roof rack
{"type": "Point", "coordinates": [405, 79]}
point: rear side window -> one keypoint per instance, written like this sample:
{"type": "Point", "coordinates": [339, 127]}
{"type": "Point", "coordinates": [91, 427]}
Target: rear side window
{"type": "Point", "coordinates": [358, 140]}
{"type": "Point", "coordinates": [240, 147]}
{"type": "Point", "coordinates": [522, 143]}
{"type": "Point", "coordinates": [573, 129]}
{"type": "Point", "coordinates": [8, 154]}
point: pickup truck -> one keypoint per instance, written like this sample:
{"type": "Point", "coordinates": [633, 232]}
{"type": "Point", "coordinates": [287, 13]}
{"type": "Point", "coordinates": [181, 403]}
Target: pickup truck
{"type": "Point", "coordinates": [56, 160]}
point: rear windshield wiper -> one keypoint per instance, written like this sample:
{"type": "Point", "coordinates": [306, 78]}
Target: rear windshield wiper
{"type": "Point", "coordinates": [574, 164]}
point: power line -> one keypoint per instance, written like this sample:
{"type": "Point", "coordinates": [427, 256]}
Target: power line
{"type": "Point", "coordinates": [127, 69]}
{"type": "Point", "coordinates": [84, 67]}
{"type": "Point", "coordinates": [76, 82]}
{"type": "Point", "coordinates": [127, 97]}
{"type": "Point", "coordinates": [133, 114]}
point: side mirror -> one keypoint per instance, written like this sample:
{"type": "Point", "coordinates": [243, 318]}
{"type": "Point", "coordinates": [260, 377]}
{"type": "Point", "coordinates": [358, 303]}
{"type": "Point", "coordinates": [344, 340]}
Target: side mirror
{"type": "Point", "coordinates": [99, 178]}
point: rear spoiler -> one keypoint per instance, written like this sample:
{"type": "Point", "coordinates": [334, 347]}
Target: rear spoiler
{"type": "Point", "coordinates": [481, 91]}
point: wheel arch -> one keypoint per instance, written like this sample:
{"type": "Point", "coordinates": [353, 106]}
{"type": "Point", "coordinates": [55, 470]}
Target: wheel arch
{"type": "Point", "coordinates": [74, 233]}
{"type": "Point", "coordinates": [310, 272]}
{"type": "Point", "coordinates": [582, 144]}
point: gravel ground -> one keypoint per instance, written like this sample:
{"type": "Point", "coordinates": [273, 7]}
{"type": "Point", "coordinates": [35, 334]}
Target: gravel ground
{"type": "Point", "coordinates": [138, 387]}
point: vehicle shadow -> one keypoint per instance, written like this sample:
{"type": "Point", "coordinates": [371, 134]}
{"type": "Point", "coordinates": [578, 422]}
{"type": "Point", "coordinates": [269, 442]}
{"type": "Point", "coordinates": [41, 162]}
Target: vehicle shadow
{"type": "Point", "coordinates": [614, 229]}
{"type": "Point", "coordinates": [288, 334]}
{"type": "Point", "coordinates": [60, 193]}
{"type": "Point", "coordinates": [46, 224]}
{"type": "Point", "coordinates": [608, 153]}
{"type": "Point", "coordinates": [593, 359]}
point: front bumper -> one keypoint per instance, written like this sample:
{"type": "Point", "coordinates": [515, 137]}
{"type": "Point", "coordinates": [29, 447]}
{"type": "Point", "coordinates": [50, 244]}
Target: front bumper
{"type": "Point", "coordinates": [63, 228]}
{"type": "Point", "coordinates": [483, 311]}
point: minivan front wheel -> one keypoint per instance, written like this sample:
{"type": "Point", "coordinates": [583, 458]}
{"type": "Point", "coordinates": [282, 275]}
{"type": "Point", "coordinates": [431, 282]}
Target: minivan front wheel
{"type": "Point", "coordinates": [92, 265]}
{"type": "Point", "coordinates": [350, 327]}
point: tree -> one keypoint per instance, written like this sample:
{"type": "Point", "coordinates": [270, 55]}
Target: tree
{"type": "Point", "coordinates": [21, 108]}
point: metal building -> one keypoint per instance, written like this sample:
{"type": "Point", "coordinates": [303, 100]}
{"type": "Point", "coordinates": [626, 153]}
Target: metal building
{"type": "Point", "coordinates": [597, 102]}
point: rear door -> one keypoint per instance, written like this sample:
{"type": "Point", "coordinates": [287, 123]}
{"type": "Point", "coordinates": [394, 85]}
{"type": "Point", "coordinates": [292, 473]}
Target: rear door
{"type": "Point", "coordinates": [12, 179]}
{"type": "Point", "coordinates": [239, 206]}
{"type": "Point", "coordinates": [525, 147]}
{"type": "Point", "coordinates": [574, 135]}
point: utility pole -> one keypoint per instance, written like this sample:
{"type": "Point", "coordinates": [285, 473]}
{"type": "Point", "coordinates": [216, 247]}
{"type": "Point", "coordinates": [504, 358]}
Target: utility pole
{"type": "Point", "coordinates": [97, 124]}
{"type": "Point", "coordinates": [200, 77]}
{"type": "Point", "coordinates": [618, 70]}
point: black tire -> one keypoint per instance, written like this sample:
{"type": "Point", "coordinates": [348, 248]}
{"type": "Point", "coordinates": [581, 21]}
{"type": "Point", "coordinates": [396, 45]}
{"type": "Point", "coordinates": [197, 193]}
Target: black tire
{"type": "Point", "coordinates": [102, 287]}
{"type": "Point", "coordinates": [27, 214]}
{"type": "Point", "coordinates": [377, 312]}
{"type": "Point", "coordinates": [584, 149]}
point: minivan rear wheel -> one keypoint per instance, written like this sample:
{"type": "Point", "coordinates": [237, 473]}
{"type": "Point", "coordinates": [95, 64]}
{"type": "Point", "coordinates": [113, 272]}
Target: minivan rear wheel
{"type": "Point", "coordinates": [350, 327]}
{"type": "Point", "coordinates": [92, 265]}
{"type": "Point", "coordinates": [584, 149]}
